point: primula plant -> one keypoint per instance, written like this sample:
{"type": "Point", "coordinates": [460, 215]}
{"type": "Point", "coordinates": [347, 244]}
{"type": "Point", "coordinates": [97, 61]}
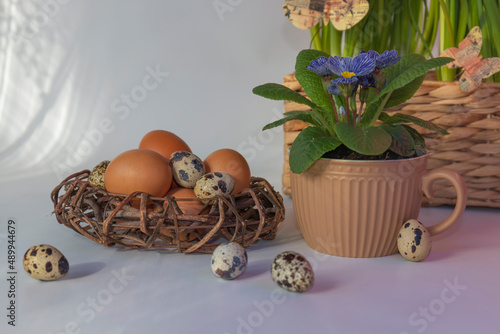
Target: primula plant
{"type": "Point", "coordinates": [333, 85]}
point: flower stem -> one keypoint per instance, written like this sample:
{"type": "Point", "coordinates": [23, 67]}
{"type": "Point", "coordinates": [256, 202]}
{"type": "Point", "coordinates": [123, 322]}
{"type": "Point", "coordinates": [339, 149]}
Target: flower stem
{"type": "Point", "coordinates": [352, 108]}
{"type": "Point", "coordinates": [334, 108]}
{"type": "Point", "coordinates": [348, 112]}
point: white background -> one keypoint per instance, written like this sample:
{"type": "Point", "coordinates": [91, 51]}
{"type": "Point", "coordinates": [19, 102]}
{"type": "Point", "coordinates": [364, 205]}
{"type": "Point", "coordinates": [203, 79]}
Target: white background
{"type": "Point", "coordinates": [66, 67]}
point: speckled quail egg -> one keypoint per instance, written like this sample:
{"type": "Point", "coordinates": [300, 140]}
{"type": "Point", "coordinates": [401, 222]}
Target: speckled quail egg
{"type": "Point", "coordinates": [414, 241]}
{"type": "Point", "coordinates": [292, 271]}
{"type": "Point", "coordinates": [187, 168]}
{"type": "Point", "coordinates": [229, 260]}
{"type": "Point", "coordinates": [213, 184]}
{"type": "Point", "coordinates": [45, 263]}
{"type": "Point", "coordinates": [96, 176]}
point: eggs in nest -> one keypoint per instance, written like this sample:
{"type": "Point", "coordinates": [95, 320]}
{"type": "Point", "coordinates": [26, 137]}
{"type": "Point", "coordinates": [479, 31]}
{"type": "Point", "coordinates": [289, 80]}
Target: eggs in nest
{"type": "Point", "coordinates": [138, 170]}
{"type": "Point", "coordinates": [163, 162]}
{"type": "Point", "coordinates": [230, 162]}
{"type": "Point", "coordinates": [163, 142]}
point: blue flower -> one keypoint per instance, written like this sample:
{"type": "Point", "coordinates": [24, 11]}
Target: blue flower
{"type": "Point", "coordinates": [341, 86]}
{"type": "Point", "coordinates": [342, 114]}
{"type": "Point", "coordinates": [367, 81]}
{"type": "Point", "coordinates": [386, 59]}
{"type": "Point", "coordinates": [320, 66]}
{"type": "Point", "coordinates": [348, 68]}
{"type": "Point", "coordinates": [334, 88]}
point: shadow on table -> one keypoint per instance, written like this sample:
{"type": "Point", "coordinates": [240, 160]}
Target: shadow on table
{"type": "Point", "coordinates": [84, 269]}
{"type": "Point", "coordinates": [257, 268]}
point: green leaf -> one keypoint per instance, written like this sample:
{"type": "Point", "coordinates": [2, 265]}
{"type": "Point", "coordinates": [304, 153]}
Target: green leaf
{"type": "Point", "coordinates": [383, 116]}
{"type": "Point", "coordinates": [404, 93]}
{"type": "Point", "coordinates": [404, 63]}
{"type": "Point", "coordinates": [310, 81]}
{"type": "Point", "coordinates": [402, 141]}
{"type": "Point", "coordinates": [304, 116]}
{"type": "Point", "coordinates": [276, 91]}
{"type": "Point", "coordinates": [403, 118]}
{"type": "Point", "coordinates": [409, 71]}
{"type": "Point", "coordinates": [326, 117]}
{"type": "Point", "coordinates": [309, 146]}
{"type": "Point", "coordinates": [368, 141]}
{"type": "Point", "coordinates": [418, 139]}
{"type": "Point", "coordinates": [373, 109]}
{"type": "Point", "coordinates": [402, 74]}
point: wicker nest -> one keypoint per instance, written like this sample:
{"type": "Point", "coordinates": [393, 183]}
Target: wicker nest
{"type": "Point", "coordinates": [142, 221]}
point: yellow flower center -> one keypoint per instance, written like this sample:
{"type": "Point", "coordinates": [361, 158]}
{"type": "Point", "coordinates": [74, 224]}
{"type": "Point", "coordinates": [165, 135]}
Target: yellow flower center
{"type": "Point", "coordinates": [348, 74]}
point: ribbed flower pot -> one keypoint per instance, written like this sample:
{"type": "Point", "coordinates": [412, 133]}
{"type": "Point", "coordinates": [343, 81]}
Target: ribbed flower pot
{"type": "Point", "coordinates": [355, 208]}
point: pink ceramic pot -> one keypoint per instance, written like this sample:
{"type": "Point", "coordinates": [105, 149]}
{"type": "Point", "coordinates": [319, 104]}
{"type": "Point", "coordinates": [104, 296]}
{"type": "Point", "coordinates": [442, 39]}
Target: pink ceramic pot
{"type": "Point", "coordinates": [355, 208]}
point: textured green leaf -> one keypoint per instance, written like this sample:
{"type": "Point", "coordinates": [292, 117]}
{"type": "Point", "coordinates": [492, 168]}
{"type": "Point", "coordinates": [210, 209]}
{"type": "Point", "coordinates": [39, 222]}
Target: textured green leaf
{"type": "Point", "coordinates": [405, 93]}
{"type": "Point", "coordinates": [399, 76]}
{"type": "Point", "coordinates": [368, 141]}
{"type": "Point", "coordinates": [403, 118]}
{"type": "Point", "coordinates": [403, 64]}
{"type": "Point", "coordinates": [300, 115]}
{"type": "Point", "coordinates": [418, 139]}
{"type": "Point", "coordinates": [310, 81]}
{"type": "Point", "coordinates": [383, 116]}
{"type": "Point", "coordinates": [402, 141]}
{"type": "Point", "coordinates": [409, 71]}
{"type": "Point", "coordinates": [309, 146]}
{"type": "Point", "coordinates": [276, 91]}
{"type": "Point", "coordinates": [373, 109]}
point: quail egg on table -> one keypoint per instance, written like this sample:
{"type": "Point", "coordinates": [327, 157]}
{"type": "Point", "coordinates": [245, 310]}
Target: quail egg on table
{"type": "Point", "coordinates": [96, 176]}
{"type": "Point", "coordinates": [45, 263]}
{"type": "Point", "coordinates": [229, 260]}
{"type": "Point", "coordinates": [187, 168]}
{"type": "Point", "coordinates": [414, 241]}
{"type": "Point", "coordinates": [292, 272]}
{"type": "Point", "coordinates": [213, 184]}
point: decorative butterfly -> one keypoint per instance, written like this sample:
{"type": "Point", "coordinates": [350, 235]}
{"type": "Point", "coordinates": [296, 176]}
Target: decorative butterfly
{"type": "Point", "coordinates": [475, 69]}
{"type": "Point", "coordinates": [305, 14]}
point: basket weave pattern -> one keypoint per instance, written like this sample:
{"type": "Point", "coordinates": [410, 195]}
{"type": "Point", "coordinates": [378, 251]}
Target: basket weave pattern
{"type": "Point", "coordinates": [142, 221]}
{"type": "Point", "coordinates": [472, 148]}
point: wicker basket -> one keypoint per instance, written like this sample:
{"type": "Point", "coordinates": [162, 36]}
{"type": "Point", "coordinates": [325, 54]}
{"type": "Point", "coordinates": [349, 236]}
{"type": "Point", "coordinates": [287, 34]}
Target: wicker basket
{"type": "Point", "coordinates": [141, 221]}
{"type": "Point", "coordinates": [472, 148]}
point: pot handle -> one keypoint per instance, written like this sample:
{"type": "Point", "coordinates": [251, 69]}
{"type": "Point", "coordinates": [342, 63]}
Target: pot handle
{"type": "Point", "coordinates": [461, 189]}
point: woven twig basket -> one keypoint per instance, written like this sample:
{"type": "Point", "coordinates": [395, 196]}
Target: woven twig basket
{"type": "Point", "coordinates": [142, 221]}
{"type": "Point", "coordinates": [472, 148]}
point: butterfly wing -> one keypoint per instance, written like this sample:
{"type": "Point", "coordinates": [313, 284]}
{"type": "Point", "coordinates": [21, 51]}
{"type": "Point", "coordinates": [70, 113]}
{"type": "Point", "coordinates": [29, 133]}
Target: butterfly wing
{"type": "Point", "coordinates": [490, 67]}
{"type": "Point", "coordinates": [467, 51]}
{"type": "Point", "coordinates": [345, 13]}
{"type": "Point", "coordinates": [451, 53]}
{"type": "Point", "coordinates": [473, 75]}
{"type": "Point", "coordinates": [304, 14]}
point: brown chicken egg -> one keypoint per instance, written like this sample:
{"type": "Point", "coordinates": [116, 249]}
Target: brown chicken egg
{"type": "Point", "coordinates": [138, 170]}
{"type": "Point", "coordinates": [231, 162]}
{"type": "Point", "coordinates": [188, 207]}
{"type": "Point", "coordinates": [163, 142]}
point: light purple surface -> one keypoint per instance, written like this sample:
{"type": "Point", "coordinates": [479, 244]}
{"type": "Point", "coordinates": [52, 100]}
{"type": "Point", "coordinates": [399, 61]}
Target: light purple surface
{"type": "Point", "coordinates": [66, 85]}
